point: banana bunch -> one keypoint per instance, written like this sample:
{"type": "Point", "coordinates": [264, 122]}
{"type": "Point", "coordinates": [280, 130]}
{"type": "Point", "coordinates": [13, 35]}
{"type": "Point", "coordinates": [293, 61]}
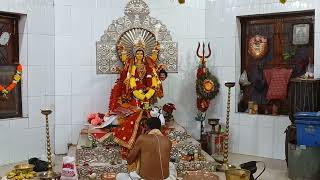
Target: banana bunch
{"type": "Point", "coordinates": [20, 175]}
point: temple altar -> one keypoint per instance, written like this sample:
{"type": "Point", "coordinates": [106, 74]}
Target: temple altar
{"type": "Point", "coordinates": [106, 156]}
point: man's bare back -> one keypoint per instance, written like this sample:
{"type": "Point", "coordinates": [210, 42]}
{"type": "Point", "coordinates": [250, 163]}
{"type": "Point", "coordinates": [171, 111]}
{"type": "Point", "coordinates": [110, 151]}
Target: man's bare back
{"type": "Point", "coordinates": [147, 147]}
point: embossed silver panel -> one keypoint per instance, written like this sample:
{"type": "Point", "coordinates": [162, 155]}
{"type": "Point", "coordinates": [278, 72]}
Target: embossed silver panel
{"type": "Point", "coordinates": [136, 16]}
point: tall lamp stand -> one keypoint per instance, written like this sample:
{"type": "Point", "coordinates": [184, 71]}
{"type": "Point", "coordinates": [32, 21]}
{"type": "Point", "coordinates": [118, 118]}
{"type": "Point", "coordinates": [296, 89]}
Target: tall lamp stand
{"type": "Point", "coordinates": [225, 165]}
{"type": "Point", "coordinates": [50, 174]}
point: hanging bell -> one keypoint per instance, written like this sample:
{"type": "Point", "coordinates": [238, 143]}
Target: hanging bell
{"type": "Point", "coordinates": [283, 1]}
{"type": "Point", "coordinates": [243, 80]}
{"type": "Point", "coordinates": [181, 1]}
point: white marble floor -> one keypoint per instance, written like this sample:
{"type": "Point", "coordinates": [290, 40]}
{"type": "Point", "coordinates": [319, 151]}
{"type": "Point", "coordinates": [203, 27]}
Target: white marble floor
{"type": "Point", "coordinates": [276, 169]}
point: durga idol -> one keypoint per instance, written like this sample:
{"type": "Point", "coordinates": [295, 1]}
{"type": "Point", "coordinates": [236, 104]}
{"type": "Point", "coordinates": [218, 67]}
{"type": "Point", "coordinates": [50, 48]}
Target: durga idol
{"type": "Point", "coordinates": [135, 91]}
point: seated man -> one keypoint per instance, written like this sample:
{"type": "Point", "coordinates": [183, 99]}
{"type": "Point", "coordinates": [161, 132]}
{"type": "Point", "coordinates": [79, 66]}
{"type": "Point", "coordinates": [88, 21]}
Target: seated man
{"type": "Point", "coordinates": [153, 151]}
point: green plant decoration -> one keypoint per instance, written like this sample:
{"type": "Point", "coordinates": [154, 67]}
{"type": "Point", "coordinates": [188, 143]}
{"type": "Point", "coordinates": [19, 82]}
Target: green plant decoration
{"type": "Point", "coordinates": [289, 53]}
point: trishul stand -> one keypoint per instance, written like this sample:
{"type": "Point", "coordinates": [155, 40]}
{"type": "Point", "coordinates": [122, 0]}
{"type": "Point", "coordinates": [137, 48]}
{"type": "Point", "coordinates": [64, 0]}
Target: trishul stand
{"type": "Point", "coordinates": [201, 116]}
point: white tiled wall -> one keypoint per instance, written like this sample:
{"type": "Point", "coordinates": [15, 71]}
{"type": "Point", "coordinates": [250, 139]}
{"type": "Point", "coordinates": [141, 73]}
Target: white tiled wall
{"type": "Point", "coordinates": [23, 138]}
{"type": "Point", "coordinates": [250, 134]}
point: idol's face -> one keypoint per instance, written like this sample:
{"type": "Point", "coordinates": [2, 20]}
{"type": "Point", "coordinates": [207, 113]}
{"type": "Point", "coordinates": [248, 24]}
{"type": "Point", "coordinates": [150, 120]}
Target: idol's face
{"type": "Point", "coordinates": [139, 55]}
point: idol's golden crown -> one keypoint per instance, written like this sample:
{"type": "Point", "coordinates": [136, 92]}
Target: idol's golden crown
{"type": "Point", "coordinates": [139, 45]}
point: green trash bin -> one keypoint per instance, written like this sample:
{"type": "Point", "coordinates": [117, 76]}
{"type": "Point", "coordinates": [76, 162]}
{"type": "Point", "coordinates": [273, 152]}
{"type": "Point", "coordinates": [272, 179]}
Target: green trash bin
{"type": "Point", "coordinates": [303, 162]}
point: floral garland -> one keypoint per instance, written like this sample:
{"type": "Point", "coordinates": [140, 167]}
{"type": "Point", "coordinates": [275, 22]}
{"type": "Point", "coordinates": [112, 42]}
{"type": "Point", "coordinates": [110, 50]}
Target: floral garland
{"type": "Point", "coordinates": [138, 93]}
{"type": "Point", "coordinates": [15, 81]}
{"type": "Point", "coordinates": [207, 86]}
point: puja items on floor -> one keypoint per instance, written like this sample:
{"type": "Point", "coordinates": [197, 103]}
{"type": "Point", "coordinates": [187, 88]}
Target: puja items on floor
{"type": "Point", "coordinates": [167, 112]}
{"type": "Point", "coordinates": [215, 137]}
{"type": "Point", "coordinates": [206, 166]}
{"type": "Point", "coordinates": [69, 170]}
{"type": "Point", "coordinates": [39, 165]}
{"type": "Point", "coordinates": [22, 171]}
{"type": "Point", "coordinates": [216, 143]}
{"type": "Point", "coordinates": [199, 175]}
{"type": "Point", "coordinates": [192, 155]}
{"type": "Point", "coordinates": [251, 168]}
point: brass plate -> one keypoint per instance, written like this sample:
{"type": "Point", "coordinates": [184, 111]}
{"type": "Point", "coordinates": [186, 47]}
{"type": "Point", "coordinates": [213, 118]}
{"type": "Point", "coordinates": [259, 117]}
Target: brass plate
{"type": "Point", "coordinates": [200, 175]}
{"type": "Point", "coordinates": [24, 167]}
{"type": "Point", "coordinates": [47, 176]}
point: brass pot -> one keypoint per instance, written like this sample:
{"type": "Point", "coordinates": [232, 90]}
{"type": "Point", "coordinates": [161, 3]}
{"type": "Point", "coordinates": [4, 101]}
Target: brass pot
{"type": "Point", "coordinates": [237, 174]}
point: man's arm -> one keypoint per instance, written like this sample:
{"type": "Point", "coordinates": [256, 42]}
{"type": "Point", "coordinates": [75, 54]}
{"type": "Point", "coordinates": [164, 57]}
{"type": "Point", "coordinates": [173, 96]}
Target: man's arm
{"type": "Point", "coordinates": [135, 152]}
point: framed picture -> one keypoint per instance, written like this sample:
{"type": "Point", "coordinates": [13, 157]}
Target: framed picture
{"type": "Point", "coordinates": [301, 34]}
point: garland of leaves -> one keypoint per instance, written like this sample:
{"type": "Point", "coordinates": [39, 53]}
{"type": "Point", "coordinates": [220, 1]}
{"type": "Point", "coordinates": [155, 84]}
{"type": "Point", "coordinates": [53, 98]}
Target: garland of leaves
{"type": "Point", "coordinates": [204, 93]}
{"type": "Point", "coordinates": [16, 79]}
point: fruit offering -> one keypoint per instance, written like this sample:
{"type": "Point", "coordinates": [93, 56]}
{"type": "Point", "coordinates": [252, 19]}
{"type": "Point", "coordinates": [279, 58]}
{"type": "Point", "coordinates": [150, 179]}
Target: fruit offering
{"type": "Point", "coordinates": [21, 174]}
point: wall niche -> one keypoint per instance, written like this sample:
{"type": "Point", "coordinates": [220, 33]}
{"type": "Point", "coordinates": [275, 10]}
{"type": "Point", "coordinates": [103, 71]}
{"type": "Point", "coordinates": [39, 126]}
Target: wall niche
{"type": "Point", "coordinates": [275, 48]}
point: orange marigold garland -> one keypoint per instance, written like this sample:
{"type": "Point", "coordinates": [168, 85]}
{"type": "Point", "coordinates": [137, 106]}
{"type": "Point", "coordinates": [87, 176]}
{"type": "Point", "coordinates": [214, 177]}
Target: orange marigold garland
{"type": "Point", "coordinates": [15, 81]}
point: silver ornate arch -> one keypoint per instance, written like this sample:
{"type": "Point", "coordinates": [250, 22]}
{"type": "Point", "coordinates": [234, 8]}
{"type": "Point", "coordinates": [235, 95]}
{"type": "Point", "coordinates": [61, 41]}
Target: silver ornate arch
{"type": "Point", "coordinates": [136, 16]}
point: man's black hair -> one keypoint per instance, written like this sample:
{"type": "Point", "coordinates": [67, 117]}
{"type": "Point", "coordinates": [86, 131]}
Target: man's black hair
{"type": "Point", "coordinates": [164, 72]}
{"type": "Point", "coordinates": [154, 123]}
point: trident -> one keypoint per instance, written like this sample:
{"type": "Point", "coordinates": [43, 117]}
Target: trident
{"type": "Point", "coordinates": [203, 57]}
